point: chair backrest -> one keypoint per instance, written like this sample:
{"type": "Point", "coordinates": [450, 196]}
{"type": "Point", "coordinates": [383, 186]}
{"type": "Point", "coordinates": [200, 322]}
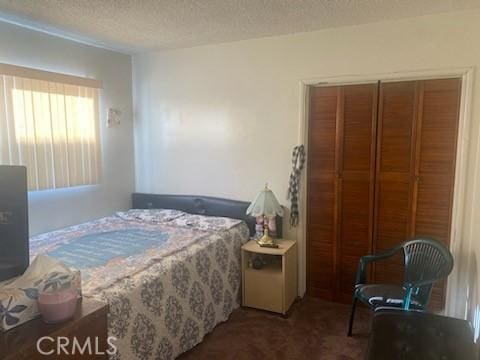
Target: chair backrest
{"type": "Point", "coordinates": [426, 260]}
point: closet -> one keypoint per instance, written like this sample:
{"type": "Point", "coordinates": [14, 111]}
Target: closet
{"type": "Point", "coordinates": [381, 164]}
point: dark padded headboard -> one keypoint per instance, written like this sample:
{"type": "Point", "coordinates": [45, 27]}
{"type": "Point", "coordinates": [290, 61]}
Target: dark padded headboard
{"type": "Point", "coordinates": [201, 205]}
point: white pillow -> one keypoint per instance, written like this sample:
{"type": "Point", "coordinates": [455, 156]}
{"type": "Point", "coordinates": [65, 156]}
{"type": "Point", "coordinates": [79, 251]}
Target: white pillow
{"type": "Point", "coordinates": [205, 223]}
{"type": "Point", "coordinates": [154, 216]}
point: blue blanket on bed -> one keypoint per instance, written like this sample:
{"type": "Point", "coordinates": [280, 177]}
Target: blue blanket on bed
{"type": "Point", "coordinates": [97, 249]}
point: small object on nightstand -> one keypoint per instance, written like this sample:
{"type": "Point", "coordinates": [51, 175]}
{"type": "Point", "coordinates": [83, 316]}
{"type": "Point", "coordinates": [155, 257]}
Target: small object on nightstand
{"type": "Point", "coordinates": [273, 287]}
{"type": "Point", "coordinates": [258, 227]}
{"type": "Point", "coordinates": [272, 226]}
{"type": "Point", "coordinates": [257, 262]}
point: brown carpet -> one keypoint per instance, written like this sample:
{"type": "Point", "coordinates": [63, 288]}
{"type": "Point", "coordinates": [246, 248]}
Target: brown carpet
{"type": "Point", "coordinates": [315, 329]}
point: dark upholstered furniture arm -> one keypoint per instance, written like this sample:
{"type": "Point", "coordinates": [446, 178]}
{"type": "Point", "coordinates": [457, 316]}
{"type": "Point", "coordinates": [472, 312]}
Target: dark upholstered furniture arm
{"type": "Point", "coordinates": [414, 335]}
{"type": "Point", "coordinates": [366, 259]}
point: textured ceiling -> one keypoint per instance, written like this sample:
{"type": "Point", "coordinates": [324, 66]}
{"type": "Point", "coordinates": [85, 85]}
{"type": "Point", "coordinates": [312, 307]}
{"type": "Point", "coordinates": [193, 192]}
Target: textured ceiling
{"type": "Point", "coordinates": [142, 25]}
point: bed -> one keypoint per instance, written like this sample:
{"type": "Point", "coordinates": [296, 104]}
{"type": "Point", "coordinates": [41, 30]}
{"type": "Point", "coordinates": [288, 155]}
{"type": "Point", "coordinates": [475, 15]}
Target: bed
{"type": "Point", "coordinates": [169, 275]}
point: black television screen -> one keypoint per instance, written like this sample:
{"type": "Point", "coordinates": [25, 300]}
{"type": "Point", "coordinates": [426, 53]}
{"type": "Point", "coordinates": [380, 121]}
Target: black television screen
{"type": "Point", "coordinates": [14, 258]}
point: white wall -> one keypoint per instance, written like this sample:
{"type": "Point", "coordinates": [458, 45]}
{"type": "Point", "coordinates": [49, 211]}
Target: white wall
{"type": "Point", "coordinates": [54, 209]}
{"type": "Point", "coordinates": [221, 120]}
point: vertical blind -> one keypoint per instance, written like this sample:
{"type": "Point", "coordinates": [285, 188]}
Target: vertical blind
{"type": "Point", "coordinates": [52, 128]}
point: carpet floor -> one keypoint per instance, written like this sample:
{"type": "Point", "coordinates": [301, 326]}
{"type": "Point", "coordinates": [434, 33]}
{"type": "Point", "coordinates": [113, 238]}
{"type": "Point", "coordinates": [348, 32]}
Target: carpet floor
{"type": "Point", "coordinates": [314, 329]}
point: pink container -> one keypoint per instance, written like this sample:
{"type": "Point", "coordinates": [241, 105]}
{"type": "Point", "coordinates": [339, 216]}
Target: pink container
{"type": "Point", "coordinates": [57, 306]}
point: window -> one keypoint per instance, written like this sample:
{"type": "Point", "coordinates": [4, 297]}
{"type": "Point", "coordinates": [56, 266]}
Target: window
{"type": "Point", "coordinates": [49, 123]}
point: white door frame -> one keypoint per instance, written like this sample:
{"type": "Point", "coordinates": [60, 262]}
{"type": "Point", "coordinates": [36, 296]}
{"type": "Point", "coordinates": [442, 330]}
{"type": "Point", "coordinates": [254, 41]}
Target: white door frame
{"type": "Point", "coordinates": [467, 75]}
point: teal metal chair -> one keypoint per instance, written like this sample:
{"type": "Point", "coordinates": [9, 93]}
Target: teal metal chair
{"type": "Point", "coordinates": [426, 261]}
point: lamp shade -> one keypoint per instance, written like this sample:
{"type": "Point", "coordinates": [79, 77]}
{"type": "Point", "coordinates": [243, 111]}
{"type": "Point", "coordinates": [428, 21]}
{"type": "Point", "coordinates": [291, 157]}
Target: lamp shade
{"type": "Point", "coordinates": [265, 204]}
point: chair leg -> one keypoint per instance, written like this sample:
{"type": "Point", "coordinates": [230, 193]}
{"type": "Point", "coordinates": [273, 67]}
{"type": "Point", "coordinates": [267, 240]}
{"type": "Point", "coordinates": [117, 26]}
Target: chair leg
{"type": "Point", "coordinates": [407, 299]}
{"type": "Point", "coordinates": [352, 315]}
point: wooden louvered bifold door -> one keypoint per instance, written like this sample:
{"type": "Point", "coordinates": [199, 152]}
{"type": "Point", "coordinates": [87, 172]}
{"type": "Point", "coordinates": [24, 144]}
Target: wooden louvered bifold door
{"type": "Point", "coordinates": [434, 174]}
{"type": "Point", "coordinates": [341, 166]}
{"type": "Point", "coordinates": [322, 193]}
{"type": "Point", "coordinates": [416, 150]}
{"type": "Point", "coordinates": [397, 113]}
{"type": "Point", "coordinates": [381, 165]}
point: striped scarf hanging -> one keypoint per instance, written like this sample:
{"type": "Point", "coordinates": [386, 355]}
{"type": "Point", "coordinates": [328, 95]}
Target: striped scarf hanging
{"type": "Point", "coordinates": [298, 159]}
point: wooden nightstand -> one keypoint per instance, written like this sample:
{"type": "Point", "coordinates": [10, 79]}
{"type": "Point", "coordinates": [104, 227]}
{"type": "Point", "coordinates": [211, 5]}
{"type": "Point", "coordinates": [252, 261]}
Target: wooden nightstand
{"type": "Point", "coordinates": [274, 286]}
{"type": "Point", "coordinates": [89, 322]}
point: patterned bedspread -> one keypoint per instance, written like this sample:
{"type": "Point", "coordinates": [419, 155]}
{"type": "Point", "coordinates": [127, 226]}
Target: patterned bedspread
{"type": "Point", "coordinates": [169, 277]}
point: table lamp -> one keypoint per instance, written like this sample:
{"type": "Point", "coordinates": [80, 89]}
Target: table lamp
{"type": "Point", "coordinates": [266, 205]}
